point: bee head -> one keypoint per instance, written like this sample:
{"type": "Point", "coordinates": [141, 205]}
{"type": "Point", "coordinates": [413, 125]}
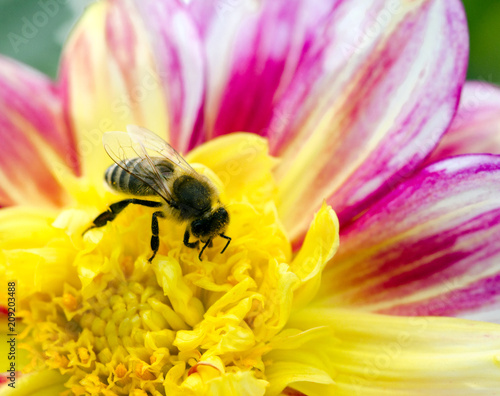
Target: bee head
{"type": "Point", "coordinates": [210, 225]}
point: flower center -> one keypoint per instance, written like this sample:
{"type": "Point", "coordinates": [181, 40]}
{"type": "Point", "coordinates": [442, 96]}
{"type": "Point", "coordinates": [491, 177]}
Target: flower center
{"type": "Point", "coordinates": [178, 325]}
{"type": "Point", "coordinates": [178, 320]}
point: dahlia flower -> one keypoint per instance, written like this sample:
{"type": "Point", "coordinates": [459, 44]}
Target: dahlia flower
{"type": "Point", "coordinates": [364, 255]}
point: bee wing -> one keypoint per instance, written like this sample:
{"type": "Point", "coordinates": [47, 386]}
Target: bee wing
{"type": "Point", "coordinates": [122, 147]}
{"type": "Point", "coordinates": [155, 144]}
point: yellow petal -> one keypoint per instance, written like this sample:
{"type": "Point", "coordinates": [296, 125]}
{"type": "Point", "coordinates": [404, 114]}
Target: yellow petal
{"type": "Point", "coordinates": [242, 163]}
{"type": "Point", "coordinates": [292, 361]}
{"type": "Point", "coordinates": [295, 338]}
{"type": "Point", "coordinates": [371, 354]}
{"type": "Point", "coordinates": [110, 80]}
{"type": "Point", "coordinates": [25, 228]}
{"type": "Point", "coordinates": [12, 353]}
{"type": "Point", "coordinates": [239, 383]}
{"type": "Point", "coordinates": [321, 243]}
{"type": "Point", "coordinates": [43, 383]}
{"type": "Point", "coordinates": [169, 275]}
{"type": "Point", "coordinates": [277, 289]}
{"type": "Point", "coordinates": [280, 374]}
{"type": "Point", "coordinates": [37, 256]}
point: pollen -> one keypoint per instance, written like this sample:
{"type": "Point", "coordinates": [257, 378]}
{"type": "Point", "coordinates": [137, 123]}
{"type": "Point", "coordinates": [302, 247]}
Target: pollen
{"type": "Point", "coordinates": [120, 370]}
{"type": "Point", "coordinates": [84, 355]}
{"type": "Point", "coordinates": [70, 301]}
{"type": "Point", "coordinates": [176, 325]}
{"type": "Point", "coordinates": [142, 372]}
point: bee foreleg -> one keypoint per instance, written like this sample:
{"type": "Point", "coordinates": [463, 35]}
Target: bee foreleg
{"type": "Point", "coordinates": [191, 245]}
{"type": "Point", "coordinates": [115, 209]}
{"type": "Point", "coordinates": [155, 240]}
{"type": "Point", "coordinates": [208, 243]}
{"type": "Point", "coordinates": [227, 244]}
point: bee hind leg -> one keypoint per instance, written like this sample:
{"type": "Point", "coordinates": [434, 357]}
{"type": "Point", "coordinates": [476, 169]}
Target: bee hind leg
{"type": "Point", "coordinates": [155, 240]}
{"type": "Point", "coordinates": [116, 208]}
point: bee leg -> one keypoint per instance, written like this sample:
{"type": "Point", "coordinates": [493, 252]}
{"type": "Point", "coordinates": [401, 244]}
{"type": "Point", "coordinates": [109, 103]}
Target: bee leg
{"type": "Point", "coordinates": [115, 209]}
{"type": "Point", "coordinates": [227, 244]}
{"type": "Point", "coordinates": [208, 243]}
{"type": "Point", "coordinates": [192, 245]}
{"type": "Point", "coordinates": [155, 240]}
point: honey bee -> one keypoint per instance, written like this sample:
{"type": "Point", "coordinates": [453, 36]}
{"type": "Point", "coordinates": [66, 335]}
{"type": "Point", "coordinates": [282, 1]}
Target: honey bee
{"type": "Point", "coordinates": [145, 165]}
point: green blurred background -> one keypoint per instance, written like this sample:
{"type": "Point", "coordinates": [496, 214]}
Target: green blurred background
{"type": "Point", "coordinates": [43, 49]}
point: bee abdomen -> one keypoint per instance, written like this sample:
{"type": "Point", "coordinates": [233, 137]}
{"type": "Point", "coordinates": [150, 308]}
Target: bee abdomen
{"type": "Point", "coordinates": [124, 181]}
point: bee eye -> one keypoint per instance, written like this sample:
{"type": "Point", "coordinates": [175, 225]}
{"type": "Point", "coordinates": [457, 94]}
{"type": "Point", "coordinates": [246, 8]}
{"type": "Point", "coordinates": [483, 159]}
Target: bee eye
{"type": "Point", "coordinates": [198, 227]}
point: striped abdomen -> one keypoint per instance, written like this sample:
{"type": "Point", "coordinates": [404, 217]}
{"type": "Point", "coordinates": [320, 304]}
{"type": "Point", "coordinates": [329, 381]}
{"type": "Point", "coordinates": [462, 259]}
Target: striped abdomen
{"type": "Point", "coordinates": [124, 180]}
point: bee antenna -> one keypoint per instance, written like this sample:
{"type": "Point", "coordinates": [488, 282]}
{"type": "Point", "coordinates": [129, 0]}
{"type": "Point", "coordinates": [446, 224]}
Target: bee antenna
{"type": "Point", "coordinates": [227, 244]}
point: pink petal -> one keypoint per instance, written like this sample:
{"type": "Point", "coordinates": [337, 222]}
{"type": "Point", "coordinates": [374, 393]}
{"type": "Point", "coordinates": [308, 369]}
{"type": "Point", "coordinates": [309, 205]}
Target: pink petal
{"type": "Point", "coordinates": [400, 99]}
{"type": "Point", "coordinates": [428, 248]}
{"type": "Point", "coordinates": [124, 67]}
{"type": "Point", "coordinates": [254, 51]}
{"type": "Point", "coordinates": [476, 126]}
{"type": "Point", "coordinates": [34, 139]}
{"type": "Point", "coordinates": [179, 55]}
{"type": "Point", "coordinates": [351, 94]}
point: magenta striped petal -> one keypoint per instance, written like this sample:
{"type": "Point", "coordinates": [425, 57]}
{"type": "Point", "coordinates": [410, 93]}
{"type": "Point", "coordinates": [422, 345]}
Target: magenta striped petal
{"type": "Point", "coordinates": [428, 248]}
{"type": "Point", "coordinates": [34, 138]}
{"type": "Point", "coordinates": [180, 60]}
{"type": "Point", "coordinates": [122, 66]}
{"type": "Point", "coordinates": [400, 99]}
{"type": "Point", "coordinates": [254, 52]}
{"type": "Point", "coordinates": [352, 95]}
{"type": "Point", "coordinates": [476, 126]}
